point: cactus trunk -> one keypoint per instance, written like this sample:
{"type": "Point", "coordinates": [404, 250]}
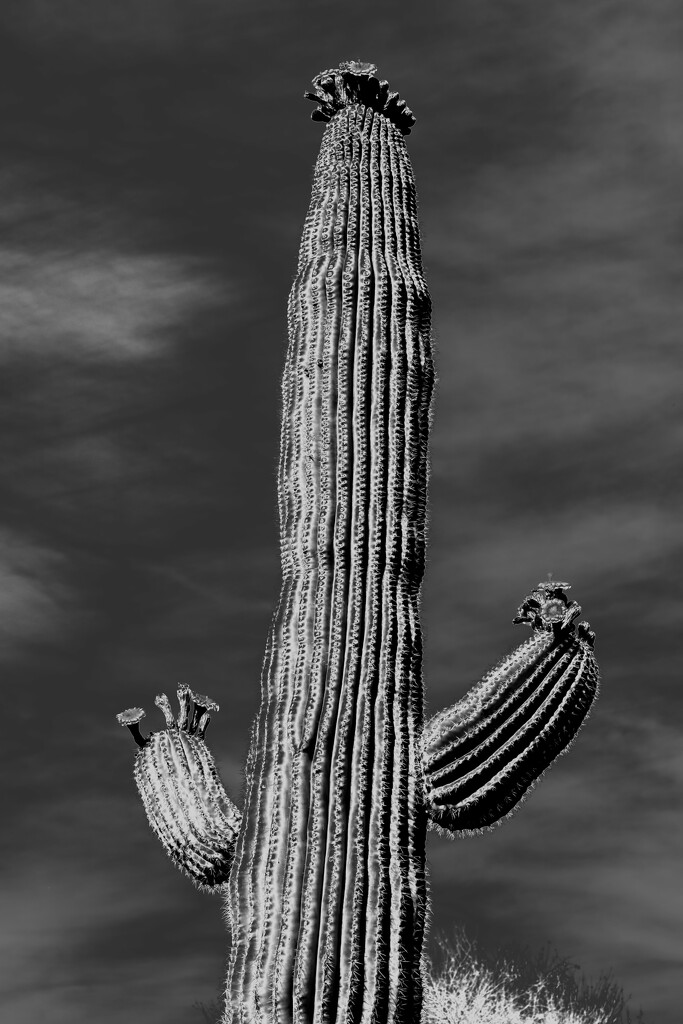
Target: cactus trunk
{"type": "Point", "coordinates": [327, 894]}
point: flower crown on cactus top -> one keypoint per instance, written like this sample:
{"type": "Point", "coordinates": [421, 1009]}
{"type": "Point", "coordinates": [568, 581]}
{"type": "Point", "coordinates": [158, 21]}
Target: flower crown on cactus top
{"type": "Point", "coordinates": [356, 81]}
{"type": "Point", "coordinates": [548, 607]}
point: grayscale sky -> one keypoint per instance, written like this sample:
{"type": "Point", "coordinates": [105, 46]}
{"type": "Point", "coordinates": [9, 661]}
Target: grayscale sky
{"type": "Point", "coordinates": [155, 173]}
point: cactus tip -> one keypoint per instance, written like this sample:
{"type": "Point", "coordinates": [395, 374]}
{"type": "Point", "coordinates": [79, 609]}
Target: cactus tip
{"type": "Point", "coordinates": [131, 718]}
{"type": "Point", "coordinates": [162, 702]}
{"type": "Point", "coordinates": [356, 82]}
{"type": "Point", "coordinates": [202, 701]}
{"type": "Point", "coordinates": [548, 607]}
{"type": "Point", "coordinates": [203, 706]}
{"type": "Point", "coordinates": [356, 67]}
{"type": "Point", "coordinates": [585, 633]}
{"type": "Point", "coordinates": [184, 702]}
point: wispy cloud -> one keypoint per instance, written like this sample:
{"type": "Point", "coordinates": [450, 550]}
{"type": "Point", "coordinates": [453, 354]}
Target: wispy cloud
{"type": "Point", "coordinates": [110, 304]}
{"type": "Point", "coordinates": [36, 600]}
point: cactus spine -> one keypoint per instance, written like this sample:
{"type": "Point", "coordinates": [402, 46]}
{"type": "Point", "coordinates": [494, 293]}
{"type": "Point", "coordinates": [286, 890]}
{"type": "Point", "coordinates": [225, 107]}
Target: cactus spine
{"type": "Point", "coordinates": [324, 871]}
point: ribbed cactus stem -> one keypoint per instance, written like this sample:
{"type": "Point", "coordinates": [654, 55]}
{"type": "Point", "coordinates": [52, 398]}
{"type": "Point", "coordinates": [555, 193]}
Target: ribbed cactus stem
{"type": "Point", "coordinates": [326, 897]}
{"type": "Point", "coordinates": [484, 754]}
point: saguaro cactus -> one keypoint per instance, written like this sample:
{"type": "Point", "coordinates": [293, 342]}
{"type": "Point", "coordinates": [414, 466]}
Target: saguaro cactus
{"type": "Point", "coordinates": [323, 873]}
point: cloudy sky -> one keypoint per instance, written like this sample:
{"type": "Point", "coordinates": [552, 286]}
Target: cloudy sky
{"type": "Point", "coordinates": [155, 173]}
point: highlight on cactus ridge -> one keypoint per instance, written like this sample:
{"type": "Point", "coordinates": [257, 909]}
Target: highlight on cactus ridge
{"type": "Point", "coordinates": [323, 869]}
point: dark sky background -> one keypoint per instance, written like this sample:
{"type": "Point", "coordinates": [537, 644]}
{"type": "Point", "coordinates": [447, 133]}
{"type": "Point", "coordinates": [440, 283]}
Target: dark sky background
{"type": "Point", "coordinates": [155, 173]}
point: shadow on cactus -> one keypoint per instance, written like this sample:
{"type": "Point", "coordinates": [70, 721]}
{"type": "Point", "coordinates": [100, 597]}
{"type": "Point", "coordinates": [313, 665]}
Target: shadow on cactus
{"type": "Point", "coordinates": [323, 869]}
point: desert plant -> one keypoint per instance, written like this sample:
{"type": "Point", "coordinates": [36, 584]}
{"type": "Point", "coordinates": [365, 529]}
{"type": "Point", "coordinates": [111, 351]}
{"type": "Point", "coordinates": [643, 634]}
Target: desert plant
{"type": "Point", "coordinates": [323, 872]}
{"type": "Point", "coordinates": [470, 986]}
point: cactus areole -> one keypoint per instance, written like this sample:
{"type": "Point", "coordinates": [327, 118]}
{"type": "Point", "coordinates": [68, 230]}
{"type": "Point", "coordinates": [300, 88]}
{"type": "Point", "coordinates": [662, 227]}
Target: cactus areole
{"type": "Point", "coordinates": [323, 870]}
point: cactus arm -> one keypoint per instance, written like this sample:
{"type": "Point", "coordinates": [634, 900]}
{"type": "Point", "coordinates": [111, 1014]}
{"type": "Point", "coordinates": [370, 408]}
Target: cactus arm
{"type": "Point", "coordinates": [185, 802]}
{"type": "Point", "coordinates": [483, 755]}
